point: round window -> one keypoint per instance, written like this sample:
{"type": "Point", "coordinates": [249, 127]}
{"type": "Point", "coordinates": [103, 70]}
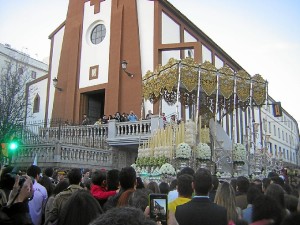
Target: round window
{"type": "Point", "coordinates": [98, 34]}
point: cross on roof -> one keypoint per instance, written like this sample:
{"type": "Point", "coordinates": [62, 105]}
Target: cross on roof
{"type": "Point", "coordinates": [96, 4]}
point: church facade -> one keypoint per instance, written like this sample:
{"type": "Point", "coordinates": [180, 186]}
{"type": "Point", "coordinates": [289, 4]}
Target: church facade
{"type": "Point", "coordinates": [88, 48]}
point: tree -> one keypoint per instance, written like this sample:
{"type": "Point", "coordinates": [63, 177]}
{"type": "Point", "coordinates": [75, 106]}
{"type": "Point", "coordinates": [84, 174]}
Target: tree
{"type": "Point", "coordinates": [14, 75]}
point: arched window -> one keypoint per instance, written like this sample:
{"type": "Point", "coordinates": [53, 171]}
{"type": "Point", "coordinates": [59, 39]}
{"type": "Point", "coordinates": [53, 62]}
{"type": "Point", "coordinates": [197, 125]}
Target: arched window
{"type": "Point", "coordinates": [36, 104]}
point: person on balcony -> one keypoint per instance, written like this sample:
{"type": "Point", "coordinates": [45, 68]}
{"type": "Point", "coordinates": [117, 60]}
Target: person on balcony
{"type": "Point", "coordinates": [132, 117]}
{"type": "Point", "coordinates": [86, 120]}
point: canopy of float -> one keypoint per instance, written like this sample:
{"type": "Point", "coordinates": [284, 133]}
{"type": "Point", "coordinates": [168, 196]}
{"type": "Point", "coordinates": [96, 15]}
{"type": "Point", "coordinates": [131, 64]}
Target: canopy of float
{"type": "Point", "coordinates": [184, 74]}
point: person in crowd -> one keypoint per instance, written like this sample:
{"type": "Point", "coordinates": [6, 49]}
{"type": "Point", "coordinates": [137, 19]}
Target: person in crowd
{"type": "Point", "coordinates": [17, 210]}
{"type": "Point", "coordinates": [85, 175]}
{"type": "Point", "coordinates": [293, 219]}
{"type": "Point", "coordinates": [75, 210]}
{"type": "Point", "coordinates": [7, 182]}
{"type": "Point", "coordinates": [164, 188]}
{"type": "Point", "coordinates": [61, 186]}
{"type": "Point", "coordinates": [265, 183]}
{"type": "Point", "coordinates": [124, 216]}
{"type": "Point", "coordinates": [252, 193]}
{"type": "Point", "coordinates": [139, 183]}
{"type": "Point", "coordinates": [37, 204]}
{"type": "Point", "coordinates": [132, 117]}
{"type": "Point", "coordinates": [98, 122]}
{"type": "Point", "coordinates": [139, 198]}
{"type": "Point", "coordinates": [233, 182]}
{"type": "Point", "coordinates": [61, 175]}
{"type": "Point", "coordinates": [99, 188]}
{"type": "Point", "coordinates": [258, 183]}
{"type": "Point", "coordinates": [49, 173]}
{"type": "Point", "coordinates": [213, 192]}
{"type": "Point", "coordinates": [74, 176]}
{"type": "Point", "coordinates": [200, 210]}
{"type": "Point", "coordinates": [149, 114]}
{"type": "Point", "coordinates": [85, 120]}
{"type": "Point", "coordinates": [173, 121]}
{"type": "Point", "coordinates": [127, 179]}
{"type": "Point", "coordinates": [242, 185]}
{"type": "Point", "coordinates": [118, 117]}
{"type": "Point", "coordinates": [174, 194]}
{"type": "Point", "coordinates": [111, 117]}
{"type": "Point", "coordinates": [225, 196]}
{"type": "Point", "coordinates": [185, 192]}
{"type": "Point", "coordinates": [104, 119]}
{"type": "Point", "coordinates": [173, 185]}
{"type": "Point", "coordinates": [266, 211]}
{"type": "Point", "coordinates": [276, 192]}
{"type": "Point", "coordinates": [153, 186]}
{"type": "Point", "coordinates": [112, 180]}
{"type": "Point", "coordinates": [124, 117]}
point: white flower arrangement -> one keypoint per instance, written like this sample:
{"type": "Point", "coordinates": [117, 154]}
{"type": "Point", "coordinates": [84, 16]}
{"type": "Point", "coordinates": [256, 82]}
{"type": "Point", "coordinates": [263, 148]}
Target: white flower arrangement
{"type": "Point", "coordinates": [203, 152]}
{"type": "Point", "coordinates": [239, 154]}
{"type": "Point", "coordinates": [167, 169]}
{"type": "Point", "coordinates": [183, 151]}
{"type": "Point", "coordinates": [190, 133]}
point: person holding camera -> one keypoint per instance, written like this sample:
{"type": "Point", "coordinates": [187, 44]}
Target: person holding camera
{"type": "Point", "coordinates": [16, 212]}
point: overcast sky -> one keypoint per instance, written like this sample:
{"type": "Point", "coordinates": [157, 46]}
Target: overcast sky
{"type": "Point", "coordinates": [263, 36]}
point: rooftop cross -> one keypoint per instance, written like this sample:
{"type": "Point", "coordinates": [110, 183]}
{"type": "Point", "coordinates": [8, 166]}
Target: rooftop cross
{"type": "Point", "coordinates": [96, 4]}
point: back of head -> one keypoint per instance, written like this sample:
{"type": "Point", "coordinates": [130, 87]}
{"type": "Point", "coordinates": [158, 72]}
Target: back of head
{"type": "Point", "coordinates": [74, 176]}
{"type": "Point", "coordinates": [242, 184]}
{"type": "Point", "coordinates": [33, 171]}
{"type": "Point", "coordinates": [139, 199]}
{"type": "Point", "coordinates": [173, 184]}
{"type": "Point", "coordinates": [74, 211]}
{"type": "Point", "coordinates": [124, 216]}
{"type": "Point", "coordinates": [46, 182]}
{"type": "Point", "coordinates": [164, 188]}
{"type": "Point", "coordinates": [184, 185]}
{"type": "Point", "coordinates": [272, 174]}
{"type": "Point", "coordinates": [265, 183]}
{"type": "Point", "coordinates": [98, 177]}
{"type": "Point", "coordinates": [6, 180]}
{"type": "Point", "coordinates": [139, 183]}
{"type": "Point", "coordinates": [62, 185]}
{"type": "Point", "coordinates": [186, 170]}
{"type": "Point", "coordinates": [225, 196]}
{"type": "Point", "coordinates": [265, 207]}
{"type": "Point", "coordinates": [276, 192]}
{"type": "Point", "coordinates": [48, 171]}
{"type": "Point", "coordinates": [127, 178]}
{"type": "Point", "coordinates": [252, 193]}
{"type": "Point", "coordinates": [202, 181]}
{"type": "Point", "coordinates": [112, 179]}
{"type": "Point", "coordinates": [153, 186]}
{"type": "Point", "coordinates": [278, 180]}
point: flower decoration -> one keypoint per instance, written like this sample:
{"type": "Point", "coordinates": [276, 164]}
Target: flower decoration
{"type": "Point", "coordinates": [183, 151]}
{"type": "Point", "coordinates": [167, 169]}
{"type": "Point", "coordinates": [203, 152]}
{"type": "Point", "coordinates": [239, 154]}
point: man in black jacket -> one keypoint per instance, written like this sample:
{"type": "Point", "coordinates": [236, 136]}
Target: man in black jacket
{"type": "Point", "coordinates": [200, 210]}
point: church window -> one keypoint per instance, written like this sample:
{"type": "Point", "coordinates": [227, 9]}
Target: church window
{"type": "Point", "coordinates": [36, 104]}
{"type": "Point", "coordinates": [98, 34]}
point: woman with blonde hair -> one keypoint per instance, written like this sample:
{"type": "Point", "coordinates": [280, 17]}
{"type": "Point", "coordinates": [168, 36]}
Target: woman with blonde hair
{"type": "Point", "coordinates": [225, 196]}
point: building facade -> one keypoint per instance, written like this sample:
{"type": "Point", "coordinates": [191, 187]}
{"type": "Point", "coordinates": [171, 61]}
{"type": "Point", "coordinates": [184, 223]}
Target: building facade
{"type": "Point", "coordinates": [85, 62]}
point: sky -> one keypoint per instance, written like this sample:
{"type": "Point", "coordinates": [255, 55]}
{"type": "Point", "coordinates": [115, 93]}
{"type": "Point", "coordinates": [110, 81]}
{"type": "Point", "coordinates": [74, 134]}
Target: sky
{"type": "Point", "coordinates": [263, 36]}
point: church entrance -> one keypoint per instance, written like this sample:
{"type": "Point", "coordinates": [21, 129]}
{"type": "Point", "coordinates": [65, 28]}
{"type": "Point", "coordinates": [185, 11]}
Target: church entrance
{"type": "Point", "coordinates": [95, 105]}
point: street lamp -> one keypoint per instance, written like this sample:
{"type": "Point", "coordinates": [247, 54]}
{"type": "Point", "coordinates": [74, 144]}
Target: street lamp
{"type": "Point", "coordinates": [124, 64]}
{"type": "Point", "coordinates": [55, 81]}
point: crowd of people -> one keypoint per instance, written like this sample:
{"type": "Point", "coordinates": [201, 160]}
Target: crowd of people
{"type": "Point", "coordinates": [101, 197]}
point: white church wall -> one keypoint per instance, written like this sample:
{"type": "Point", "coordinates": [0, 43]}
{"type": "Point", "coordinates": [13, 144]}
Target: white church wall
{"type": "Point", "coordinates": [91, 54]}
{"type": "Point", "coordinates": [39, 88]}
{"type": "Point", "coordinates": [57, 46]}
{"type": "Point", "coordinates": [146, 33]}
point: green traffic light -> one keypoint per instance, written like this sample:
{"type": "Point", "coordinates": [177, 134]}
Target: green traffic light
{"type": "Point", "coordinates": [13, 146]}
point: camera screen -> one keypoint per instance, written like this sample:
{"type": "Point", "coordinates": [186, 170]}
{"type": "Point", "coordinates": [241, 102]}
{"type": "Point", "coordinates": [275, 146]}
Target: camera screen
{"type": "Point", "coordinates": [158, 209]}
